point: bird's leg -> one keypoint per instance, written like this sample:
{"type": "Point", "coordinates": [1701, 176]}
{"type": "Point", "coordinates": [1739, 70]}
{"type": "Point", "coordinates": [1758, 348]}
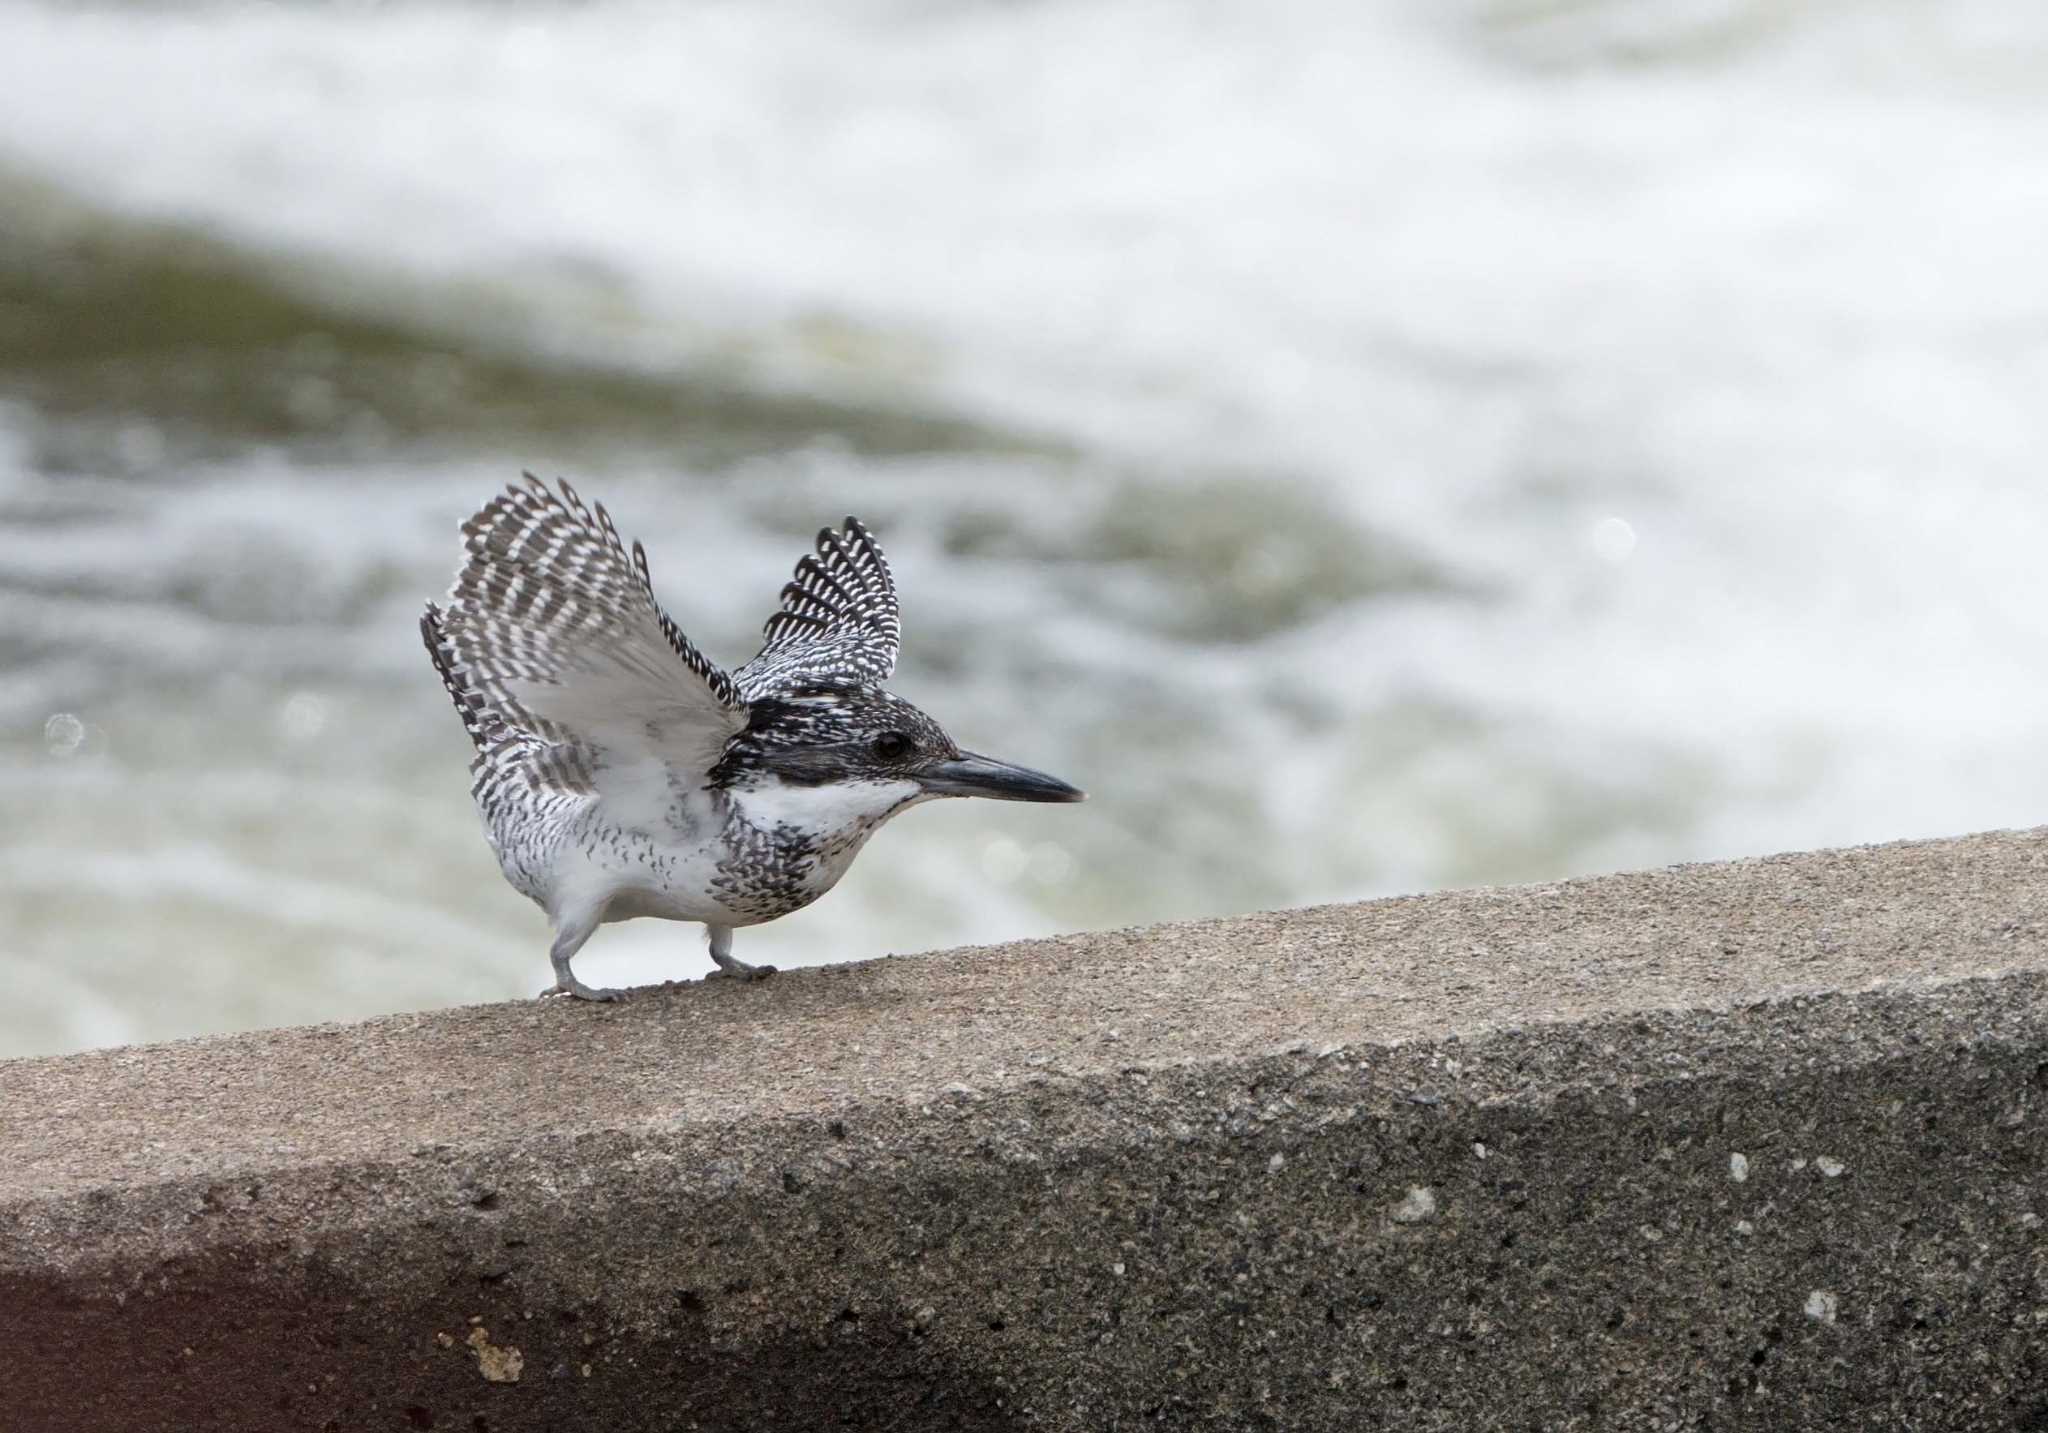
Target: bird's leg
{"type": "Point", "coordinates": [721, 952]}
{"type": "Point", "coordinates": [569, 938]}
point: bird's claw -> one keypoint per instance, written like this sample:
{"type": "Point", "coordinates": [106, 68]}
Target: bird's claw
{"type": "Point", "coordinates": [577, 990]}
{"type": "Point", "coordinates": [740, 970]}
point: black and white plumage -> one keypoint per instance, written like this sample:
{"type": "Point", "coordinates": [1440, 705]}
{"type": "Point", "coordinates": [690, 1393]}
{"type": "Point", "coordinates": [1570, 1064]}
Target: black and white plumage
{"type": "Point", "coordinates": [838, 620]}
{"type": "Point", "coordinates": [620, 772]}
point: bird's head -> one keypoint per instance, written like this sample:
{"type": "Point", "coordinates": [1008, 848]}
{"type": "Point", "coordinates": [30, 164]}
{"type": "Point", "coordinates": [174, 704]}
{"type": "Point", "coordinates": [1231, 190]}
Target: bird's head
{"type": "Point", "coordinates": [870, 749]}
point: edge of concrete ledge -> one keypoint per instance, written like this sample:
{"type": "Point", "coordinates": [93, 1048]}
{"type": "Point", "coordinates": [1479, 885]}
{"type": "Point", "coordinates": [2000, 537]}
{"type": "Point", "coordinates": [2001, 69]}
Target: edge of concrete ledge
{"type": "Point", "coordinates": [1364, 1083]}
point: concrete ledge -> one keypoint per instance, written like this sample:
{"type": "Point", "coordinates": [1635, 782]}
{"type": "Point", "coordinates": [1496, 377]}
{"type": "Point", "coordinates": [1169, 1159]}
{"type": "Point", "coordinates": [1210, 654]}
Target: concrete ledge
{"type": "Point", "coordinates": [1746, 1145]}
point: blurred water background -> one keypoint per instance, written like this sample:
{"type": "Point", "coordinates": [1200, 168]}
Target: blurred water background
{"type": "Point", "coordinates": [1374, 447]}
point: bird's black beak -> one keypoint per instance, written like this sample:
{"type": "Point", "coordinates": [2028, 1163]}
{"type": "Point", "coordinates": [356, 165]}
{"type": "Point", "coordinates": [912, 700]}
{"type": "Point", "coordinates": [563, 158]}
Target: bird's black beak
{"type": "Point", "coordinates": [971, 775]}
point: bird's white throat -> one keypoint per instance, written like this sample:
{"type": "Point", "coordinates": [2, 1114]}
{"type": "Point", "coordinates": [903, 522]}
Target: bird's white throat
{"type": "Point", "coordinates": [829, 808]}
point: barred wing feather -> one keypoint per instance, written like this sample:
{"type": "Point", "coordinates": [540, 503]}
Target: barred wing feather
{"type": "Point", "coordinates": [553, 624]}
{"type": "Point", "coordinates": [838, 622]}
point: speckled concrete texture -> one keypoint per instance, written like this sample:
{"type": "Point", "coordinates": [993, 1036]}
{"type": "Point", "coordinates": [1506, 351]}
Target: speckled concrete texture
{"type": "Point", "coordinates": [1754, 1145]}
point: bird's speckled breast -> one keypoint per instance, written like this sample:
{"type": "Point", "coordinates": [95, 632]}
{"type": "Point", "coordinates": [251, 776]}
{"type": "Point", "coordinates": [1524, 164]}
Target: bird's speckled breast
{"type": "Point", "coordinates": [767, 872]}
{"type": "Point", "coordinates": [777, 856]}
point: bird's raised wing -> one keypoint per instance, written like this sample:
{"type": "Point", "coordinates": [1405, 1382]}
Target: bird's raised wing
{"type": "Point", "coordinates": [553, 623]}
{"type": "Point", "coordinates": [838, 622]}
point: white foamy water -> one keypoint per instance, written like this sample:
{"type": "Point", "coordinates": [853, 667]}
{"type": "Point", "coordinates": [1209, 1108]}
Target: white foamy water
{"type": "Point", "coordinates": [1417, 445]}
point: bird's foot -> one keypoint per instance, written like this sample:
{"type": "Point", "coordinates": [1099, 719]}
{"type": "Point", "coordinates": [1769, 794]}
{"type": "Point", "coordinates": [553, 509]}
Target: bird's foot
{"type": "Point", "coordinates": [576, 989]}
{"type": "Point", "coordinates": [740, 970]}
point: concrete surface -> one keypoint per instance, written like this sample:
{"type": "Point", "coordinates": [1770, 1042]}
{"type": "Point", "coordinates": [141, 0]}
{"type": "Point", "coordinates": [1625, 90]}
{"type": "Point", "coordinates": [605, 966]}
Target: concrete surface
{"type": "Point", "coordinates": [1756, 1145]}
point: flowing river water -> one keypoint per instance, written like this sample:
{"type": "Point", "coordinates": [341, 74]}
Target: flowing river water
{"type": "Point", "coordinates": [1371, 447]}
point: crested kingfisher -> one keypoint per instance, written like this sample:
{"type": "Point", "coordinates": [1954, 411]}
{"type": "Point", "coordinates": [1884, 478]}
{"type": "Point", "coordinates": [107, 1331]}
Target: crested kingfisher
{"type": "Point", "coordinates": [620, 772]}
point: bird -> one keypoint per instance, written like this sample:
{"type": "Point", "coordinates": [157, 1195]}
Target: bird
{"type": "Point", "coordinates": [621, 773]}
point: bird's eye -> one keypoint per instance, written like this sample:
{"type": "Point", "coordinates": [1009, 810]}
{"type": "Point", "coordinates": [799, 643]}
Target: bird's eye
{"type": "Point", "coordinates": [892, 746]}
